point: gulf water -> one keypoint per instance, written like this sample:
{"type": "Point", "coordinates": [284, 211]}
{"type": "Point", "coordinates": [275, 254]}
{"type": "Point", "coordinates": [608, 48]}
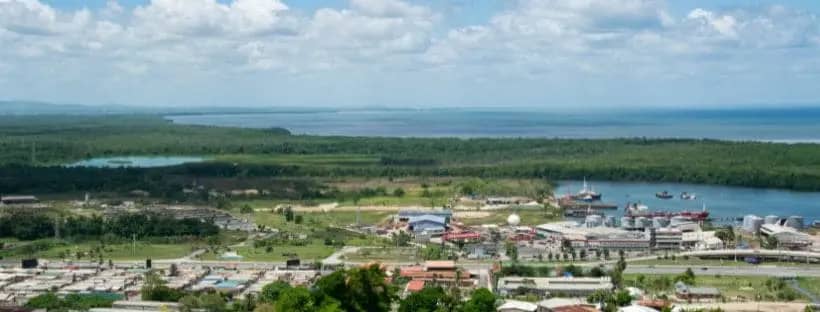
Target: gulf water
{"type": "Point", "coordinates": [724, 203]}
{"type": "Point", "coordinates": [778, 125]}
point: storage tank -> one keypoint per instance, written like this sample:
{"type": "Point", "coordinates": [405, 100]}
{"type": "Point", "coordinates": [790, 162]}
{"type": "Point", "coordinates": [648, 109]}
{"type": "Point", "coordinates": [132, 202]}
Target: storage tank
{"type": "Point", "coordinates": [626, 222]}
{"type": "Point", "coordinates": [593, 221]}
{"type": "Point", "coordinates": [752, 223]}
{"type": "Point", "coordinates": [642, 222]}
{"type": "Point", "coordinates": [513, 220]}
{"type": "Point", "coordinates": [660, 222]}
{"type": "Point", "coordinates": [609, 221]}
{"type": "Point", "coordinates": [795, 222]}
{"type": "Point", "coordinates": [771, 219]}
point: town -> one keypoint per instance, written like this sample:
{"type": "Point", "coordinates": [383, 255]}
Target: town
{"type": "Point", "coordinates": [570, 264]}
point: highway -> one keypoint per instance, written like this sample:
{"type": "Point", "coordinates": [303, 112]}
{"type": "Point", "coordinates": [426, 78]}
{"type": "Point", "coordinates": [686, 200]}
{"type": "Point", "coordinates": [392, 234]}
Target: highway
{"type": "Point", "coordinates": [760, 270]}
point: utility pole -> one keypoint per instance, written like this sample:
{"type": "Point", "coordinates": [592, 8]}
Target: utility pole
{"type": "Point", "coordinates": [57, 228]}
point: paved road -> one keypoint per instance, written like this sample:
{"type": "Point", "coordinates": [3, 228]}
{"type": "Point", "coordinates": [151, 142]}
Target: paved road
{"type": "Point", "coordinates": [760, 270]}
{"type": "Point", "coordinates": [335, 258]}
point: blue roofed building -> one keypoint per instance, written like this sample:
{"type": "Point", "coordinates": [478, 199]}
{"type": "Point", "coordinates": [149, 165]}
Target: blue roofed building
{"type": "Point", "coordinates": [405, 215]}
{"type": "Point", "coordinates": [427, 223]}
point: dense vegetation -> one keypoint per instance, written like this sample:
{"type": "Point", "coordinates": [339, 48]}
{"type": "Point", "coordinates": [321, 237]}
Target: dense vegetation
{"type": "Point", "coordinates": [72, 302]}
{"type": "Point", "coordinates": [364, 289]}
{"type": "Point", "coordinates": [28, 226]}
{"type": "Point", "coordinates": [249, 154]}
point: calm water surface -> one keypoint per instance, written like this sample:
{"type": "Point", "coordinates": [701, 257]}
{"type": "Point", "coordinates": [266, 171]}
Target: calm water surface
{"type": "Point", "coordinates": [721, 201]}
{"type": "Point", "coordinates": [779, 125]}
{"type": "Point", "coordinates": [136, 161]}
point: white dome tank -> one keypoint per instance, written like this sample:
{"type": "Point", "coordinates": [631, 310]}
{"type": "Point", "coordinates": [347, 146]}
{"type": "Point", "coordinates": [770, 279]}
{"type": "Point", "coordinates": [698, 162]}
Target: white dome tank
{"type": "Point", "coordinates": [513, 219]}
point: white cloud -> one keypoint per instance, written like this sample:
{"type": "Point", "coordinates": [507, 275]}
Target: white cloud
{"type": "Point", "coordinates": [609, 41]}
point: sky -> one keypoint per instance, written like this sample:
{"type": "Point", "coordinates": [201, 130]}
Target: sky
{"type": "Point", "coordinates": [579, 54]}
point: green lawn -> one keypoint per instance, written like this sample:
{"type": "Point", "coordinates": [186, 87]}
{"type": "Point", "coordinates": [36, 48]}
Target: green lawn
{"type": "Point", "coordinates": [715, 262]}
{"type": "Point", "coordinates": [156, 248]}
{"type": "Point", "coordinates": [810, 284]}
{"type": "Point", "coordinates": [319, 219]}
{"type": "Point", "coordinates": [731, 287]}
{"type": "Point", "coordinates": [528, 217]}
{"type": "Point", "coordinates": [309, 253]}
{"type": "Point", "coordinates": [401, 254]}
{"type": "Point", "coordinates": [87, 251]}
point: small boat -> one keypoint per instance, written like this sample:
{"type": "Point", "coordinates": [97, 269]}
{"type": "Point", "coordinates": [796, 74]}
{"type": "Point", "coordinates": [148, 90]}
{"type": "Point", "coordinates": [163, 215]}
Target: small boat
{"type": "Point", "coordinates": [687, 196]}
{"type": "Point", "coordinates": [587, 194]}
{"type": "Point", "coordinates": [636, 208]}
{"type": "Point", "coordinates": [664, 195]}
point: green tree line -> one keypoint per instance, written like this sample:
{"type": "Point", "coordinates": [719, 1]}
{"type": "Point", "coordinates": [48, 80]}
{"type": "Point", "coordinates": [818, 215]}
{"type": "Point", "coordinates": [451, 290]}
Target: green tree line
{"type": "Point", "coordinates": [25, 225]}
{"type": "Point", "coordinates": [47, 141]}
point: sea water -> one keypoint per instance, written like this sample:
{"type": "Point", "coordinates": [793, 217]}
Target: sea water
{"type": "Point", "coordinates": [778, 125]}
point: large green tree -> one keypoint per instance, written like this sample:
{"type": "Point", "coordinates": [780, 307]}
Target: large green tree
{"type": "Point", "coordinates": [271, 292]}
{"type": "Point", "coordinates": [482, 300]}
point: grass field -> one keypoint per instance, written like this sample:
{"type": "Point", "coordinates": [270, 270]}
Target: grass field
{"type": "Point", "coordinates": [714, 262]}
{"type": "Point", "coordinates": [309, 253]}
{"type": "Point", "coordinates": [88, 251]}
{"type": "Point", "coordinates": [812, 285]}
{"type": "Point", "coordinates": [399, 254]}
{"type": "Point", "coordinates": [731, 287]}
{"type": "Point", "coordinates": [319, 219]}
{"type": "Point", "coordinates": [528, 217]}
{"type": "Point", "coordinates": [121, 249]}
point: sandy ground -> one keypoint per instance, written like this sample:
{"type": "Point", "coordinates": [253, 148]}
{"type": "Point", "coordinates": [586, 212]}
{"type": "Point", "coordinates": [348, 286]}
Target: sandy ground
{"type": "Point", "coordinates": [749, 306]}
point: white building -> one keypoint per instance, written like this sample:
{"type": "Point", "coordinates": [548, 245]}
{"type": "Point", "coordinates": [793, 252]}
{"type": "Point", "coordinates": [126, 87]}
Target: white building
{"type": "Point", "coordinates": [553, 286]}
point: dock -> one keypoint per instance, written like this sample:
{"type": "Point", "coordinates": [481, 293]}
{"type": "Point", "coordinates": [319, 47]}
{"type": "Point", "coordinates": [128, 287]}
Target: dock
{"type": "Point", "coordinates": [567, 204]}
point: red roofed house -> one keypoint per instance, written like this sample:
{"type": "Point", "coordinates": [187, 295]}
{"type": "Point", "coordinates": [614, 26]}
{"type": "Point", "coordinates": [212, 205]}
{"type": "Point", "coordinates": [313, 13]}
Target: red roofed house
{"type": "Point", "coordinates": [414, 286]}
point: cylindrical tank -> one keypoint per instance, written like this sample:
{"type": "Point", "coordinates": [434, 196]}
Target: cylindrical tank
{"type": "Point", "coordinates": [609, 221]}
{"type": "Point", "coordinates": [795, 222]}
{"type": "Point", "coordinates": [660, 222]}
{"type": "Point", "coordinates": [513, 219]}
{"type": "Point", "coordinates": [771, 219]}
{"type": "Point", "coordinates": [593, 220]}
{"type": "Point", "coordinates": [752, 223]}
{"type": "Point", "coordinates": [626, 222]}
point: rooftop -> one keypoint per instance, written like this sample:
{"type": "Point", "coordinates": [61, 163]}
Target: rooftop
{"type": "Point", "coordinates": [518, 305]}
{"type": "Point", "coordinates": [553, 303]}
{"type": "Point", "coordinates": [427, 217]}
{"type": "Point", "coordinates": [415, 285]}
{"type": "Point", "coordinates": [440, 264]}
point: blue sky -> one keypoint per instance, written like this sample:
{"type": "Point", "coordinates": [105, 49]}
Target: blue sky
{"type": "Point", "coordinates": [574, 54]}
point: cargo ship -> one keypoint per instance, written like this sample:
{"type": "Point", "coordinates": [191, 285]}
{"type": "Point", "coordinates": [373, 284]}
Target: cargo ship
{"type": "Point", "coordinates": [639, 210]}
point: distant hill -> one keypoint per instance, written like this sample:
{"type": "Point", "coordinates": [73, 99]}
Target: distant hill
{"type": "Point", "coordinates": [43, 108]}
{"type": "Point", "coordinates": [23, 108]}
